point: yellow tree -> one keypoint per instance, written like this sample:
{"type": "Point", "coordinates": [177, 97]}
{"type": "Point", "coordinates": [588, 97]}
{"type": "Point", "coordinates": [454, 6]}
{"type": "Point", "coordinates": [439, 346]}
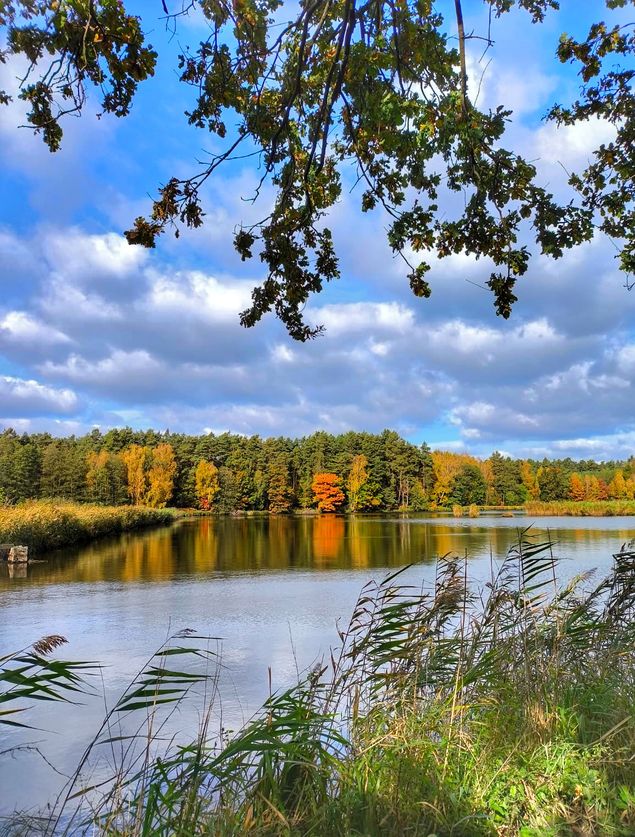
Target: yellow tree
{"type": "Point", "coordinates": [161, 476]}
{"type": "Point", "coordinates": [446, 466]}
{"type": "Point", "coordinates": [206, 483]}
{"type": "Point", "coordinates": [135, 458]}
{"type": "Point", "coordinates": [529, 479]}
{"type": "Point", "coordinates": [357, 479]}
{"type": "Point", "coordinates": [617, 487]}
{"type": "Point", "coordinates": [591, 488]}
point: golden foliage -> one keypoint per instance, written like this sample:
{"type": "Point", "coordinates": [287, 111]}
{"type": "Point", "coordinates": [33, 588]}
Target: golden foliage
{"type": "Point", "coordinates": [446, 467]}
{"type": "Point", "coordinates": [206, 483]}
{"type": "Point", "coordinates": [357, 478]}
{"type": "Point", "coordinates": [134, 458]}
{"type": "Point", "coordinates": [161, 476]}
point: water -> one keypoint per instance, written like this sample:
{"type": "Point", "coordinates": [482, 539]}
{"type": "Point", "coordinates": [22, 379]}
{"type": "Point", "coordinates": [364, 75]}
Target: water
{"type": "Point", "coordinates": [272, 588]}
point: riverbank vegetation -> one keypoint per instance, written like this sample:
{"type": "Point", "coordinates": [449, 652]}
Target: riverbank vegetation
{"type": "Point", "coordinates": [504, 712]}
{"type": "Point", "coordinates": [43, 525]}
{"type": "Point", "coordinates": [571, 508]}
{"type": "Point", "coordinates": [353, 472]}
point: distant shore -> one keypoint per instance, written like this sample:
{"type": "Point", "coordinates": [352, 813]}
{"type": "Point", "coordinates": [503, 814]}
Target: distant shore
{"type": "Point", "coordinates": [45, 525]}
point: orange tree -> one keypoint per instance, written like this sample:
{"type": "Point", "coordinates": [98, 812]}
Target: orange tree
{"type": "Point", "coordinates": [327, 492]}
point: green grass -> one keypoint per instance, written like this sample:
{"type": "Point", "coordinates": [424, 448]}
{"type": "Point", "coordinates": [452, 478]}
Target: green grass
{"type": "Point", "coordinates": [504, 712]}
{"type": "Point", "coordinates": [43, 525]}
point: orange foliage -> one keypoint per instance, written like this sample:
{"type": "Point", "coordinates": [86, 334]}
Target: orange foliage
{"type": "Point", "coordinates": [576, 488]}
{"type": "Point", "coordinates": [328, 534]}
{"type": "Point", "coordinates": [327, 492]}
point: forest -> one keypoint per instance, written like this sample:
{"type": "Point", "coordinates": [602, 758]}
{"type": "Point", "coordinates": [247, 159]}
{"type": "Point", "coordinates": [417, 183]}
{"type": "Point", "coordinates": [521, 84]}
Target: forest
{"type": "Point", "coordinates": [228, 473]}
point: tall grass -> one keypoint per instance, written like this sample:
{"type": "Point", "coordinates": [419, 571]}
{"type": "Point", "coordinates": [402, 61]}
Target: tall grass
{"type": "Point", "coordinates": [450, 711]}
{"type": "Point", "coordinates": [584, 508]}
{"type": "Point", "coordinates": [43, 525]}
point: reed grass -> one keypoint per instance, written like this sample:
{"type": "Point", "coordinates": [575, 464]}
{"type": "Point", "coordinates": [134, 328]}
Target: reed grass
{"type": "Point", "coordinates": [584, 508]}
{"type": "Point", "coordinates": [42, 525]}
{"type": "Point", "coordinates": [502, 712]}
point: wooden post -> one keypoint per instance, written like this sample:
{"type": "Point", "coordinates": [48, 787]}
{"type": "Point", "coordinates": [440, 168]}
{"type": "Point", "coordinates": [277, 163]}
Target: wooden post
{"type": "Point", "coordinates": [18, 555]}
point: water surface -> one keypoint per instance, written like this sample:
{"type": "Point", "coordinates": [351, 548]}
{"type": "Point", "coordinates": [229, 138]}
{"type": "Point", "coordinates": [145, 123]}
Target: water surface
{"type": "Point", "coordinates": [272, 588]}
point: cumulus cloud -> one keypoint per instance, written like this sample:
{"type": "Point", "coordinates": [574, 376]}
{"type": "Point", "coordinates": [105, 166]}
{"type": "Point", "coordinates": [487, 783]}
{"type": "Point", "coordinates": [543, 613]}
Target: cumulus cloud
{"type": "Point", "coordinates": [22, 329]}
{"type": "Point", "coordinates": [167, 350]}
{"type": "Point", "coordinates": [19, 397]}
{"type": "Point", "coordinates": [93, 331]}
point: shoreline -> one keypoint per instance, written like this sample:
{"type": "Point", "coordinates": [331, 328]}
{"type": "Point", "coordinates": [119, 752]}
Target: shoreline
{"type": "Point", "coordinates": [44, 525]}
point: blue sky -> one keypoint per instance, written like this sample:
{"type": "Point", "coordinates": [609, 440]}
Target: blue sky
{"type": "Point", "coordinates": [96, 333]}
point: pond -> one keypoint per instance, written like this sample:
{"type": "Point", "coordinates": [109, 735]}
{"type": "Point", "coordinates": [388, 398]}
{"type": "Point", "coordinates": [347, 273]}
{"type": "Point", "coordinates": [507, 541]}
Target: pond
{"type": "Point", "coordinates": [271, 588]}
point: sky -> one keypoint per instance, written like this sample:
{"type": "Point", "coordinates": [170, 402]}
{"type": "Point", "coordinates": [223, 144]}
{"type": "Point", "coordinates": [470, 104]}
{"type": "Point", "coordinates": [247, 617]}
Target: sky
{"type": "Point", "coordinates": [96, 333]}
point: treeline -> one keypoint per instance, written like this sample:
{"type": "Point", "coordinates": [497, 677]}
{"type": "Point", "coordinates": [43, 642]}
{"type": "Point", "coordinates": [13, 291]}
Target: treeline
{"type": "Point", "coordinates": [227, 472]}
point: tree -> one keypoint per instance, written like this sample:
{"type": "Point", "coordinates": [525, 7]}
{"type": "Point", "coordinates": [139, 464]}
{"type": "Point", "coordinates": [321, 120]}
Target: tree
{"type": "Point", "coordinates": [576, 488]}
{"type": "Point", "coordinates": [529, 480]}
{"type": "Point", "coordinates": [207, 483]}
{"type": "Point", "coordinates": [227, 499]}
{"type": "Point", "coordinates": [161, 475]}
{"type": "Point", "coordinates": [279, 495]}
{"type": "Point", "coordinates": [446, 466]}
{"type": "Point", "coordinates": [418, 497]}
{"type": "Point", "coordinates": [135, 458]}
{"type": "Point", "coordinates": [507, 481]}
{"type": "Point", "coordinates": [26, 473]}
{"type": "Point", "coordinates": [384, 85]}
{"type": "Point", "coordinates": [618, 489]}
{"type": "Point", "coordinates": [327, 492]}
{"type": "Point", "coordinates": [63, 470]}
{"type": "Point", "coordinates": [553, 483]}
{"type": "Point", "coordinates": [357, 479]}
{"type": "Point", "coordinates": [105, 477]}
{"type": "Point", "coordinates": [468, 486]}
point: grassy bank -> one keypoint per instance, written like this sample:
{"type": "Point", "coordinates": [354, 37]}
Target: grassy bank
{"type": "Point", "coordinates": [507, 713]}
{"type": "Point", "coordinates": [43, 525]}
{"type": "Point", "coordinates": [585, 508]}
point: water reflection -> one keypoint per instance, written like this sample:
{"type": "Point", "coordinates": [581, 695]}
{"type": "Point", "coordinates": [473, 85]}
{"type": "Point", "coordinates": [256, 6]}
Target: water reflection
{"type": "Point", "coordinates": [223, 545]}
{"type": "Point", "coordinates": [273, 588]}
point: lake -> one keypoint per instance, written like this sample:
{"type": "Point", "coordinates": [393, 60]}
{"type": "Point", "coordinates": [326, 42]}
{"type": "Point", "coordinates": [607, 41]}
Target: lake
{"type": "Point", "coordinates": [271, 588]}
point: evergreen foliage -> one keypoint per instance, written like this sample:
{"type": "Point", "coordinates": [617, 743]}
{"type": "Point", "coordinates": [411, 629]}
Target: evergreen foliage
{"type": "Point", "coordinates": [232, 473]}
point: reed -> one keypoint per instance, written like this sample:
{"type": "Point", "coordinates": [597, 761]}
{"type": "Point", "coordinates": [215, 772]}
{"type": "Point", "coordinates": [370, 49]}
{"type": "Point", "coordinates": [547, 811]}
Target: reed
{"type": "Point", "coordinates": [43, 525]}
{"type": "Point", "coordinates": [502, 712]}
{"type": "Point", "coordinates": [584, 508]}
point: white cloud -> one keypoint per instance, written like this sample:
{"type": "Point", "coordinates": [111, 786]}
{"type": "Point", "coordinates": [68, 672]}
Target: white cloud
{"type": "Point", "coordinates": [20, 397]}
{"type": "Point", "coordinates": [22, 329]}
{"type": "Point", "coordinates": [571, 146]}
{"type": "Point", "coordinates": [363, 318]}
{"type": "Point", "coordinates": [84, 259]}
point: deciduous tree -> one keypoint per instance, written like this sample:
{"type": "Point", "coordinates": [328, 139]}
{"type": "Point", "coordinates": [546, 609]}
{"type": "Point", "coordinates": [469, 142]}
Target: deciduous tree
{"type": "Point", "coordinates": [135, 458]}
{"type": "Point", "coordinates": [357, 479]}
{"type": "Point", "coordinates": [576, 488]}
{"type": "Point", "coordinates": [161, 476]}
{"type": "Point", "coordinates": [207, 483]}
{"type": "Point", "coordinates": [327, 493]}
{"type": "Point", "coordinates": [383, 85]}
